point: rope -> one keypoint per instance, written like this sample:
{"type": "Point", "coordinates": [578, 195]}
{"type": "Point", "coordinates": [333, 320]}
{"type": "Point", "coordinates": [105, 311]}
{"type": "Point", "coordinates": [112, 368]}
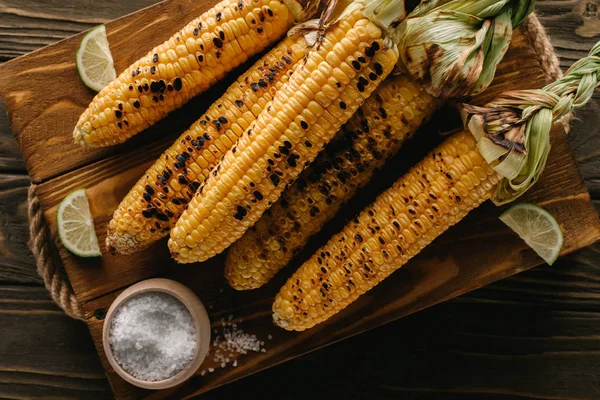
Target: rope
{"type": "Point", "coordinates": [48, 266]}
{"type": "Point", "coordinates": [543, 48]}
{"type": "Point", "coordinates": [547, 57]}
{"type": "Point", "coordinates": [51, 269]}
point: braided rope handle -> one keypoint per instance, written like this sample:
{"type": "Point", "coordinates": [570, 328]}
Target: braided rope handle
{"type": "Point", "coordinates": [49, 266]}
{"type": "Point", "coordinates": [542, 46]}
{"type": "Point", "coordinates": [51, 269]}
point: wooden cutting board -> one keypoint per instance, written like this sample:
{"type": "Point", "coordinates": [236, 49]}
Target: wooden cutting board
{"type": "Point", "coordinates": [44, 98]}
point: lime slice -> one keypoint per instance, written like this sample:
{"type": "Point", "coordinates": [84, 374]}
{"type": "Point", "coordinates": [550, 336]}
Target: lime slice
{"type": "Point", "coordinates": [94, 61]}
{"type": "Point", "coordinates": [537, 227]}
{"type": "Point", "coordinates": [76, 225]}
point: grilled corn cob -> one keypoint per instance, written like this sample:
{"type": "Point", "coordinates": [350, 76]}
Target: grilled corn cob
{"type": "Point", "coordinates": [151, 208]}
{"type": "Point", "coordinates": [375, 133]}
{"type": "Point", "coordinates": [500, 157]}
{"type": "Point", "coordinates": [347, 65]}
{"type": "Point", "coordinates": [187, 64]}
{"type": "Point", "coordinates": [437, 193]}
{"type": "Point", "coordinates": [306, 113]}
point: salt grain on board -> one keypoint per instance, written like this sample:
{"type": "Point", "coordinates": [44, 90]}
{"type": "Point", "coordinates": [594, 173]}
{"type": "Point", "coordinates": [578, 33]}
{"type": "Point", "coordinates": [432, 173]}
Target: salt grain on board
{"type": "Point", "coordinates": [230, 342]}
{"type": "Point", "coordinates": [152, 336]}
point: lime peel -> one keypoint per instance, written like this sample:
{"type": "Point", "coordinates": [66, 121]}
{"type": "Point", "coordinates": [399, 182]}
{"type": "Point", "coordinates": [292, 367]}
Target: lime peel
{"type": "Point", "coordinates": [94, 60]}
{"type": "Point", "coordinates": [76, 226]}
{"type": "Point", "coordinates": [537, 227]}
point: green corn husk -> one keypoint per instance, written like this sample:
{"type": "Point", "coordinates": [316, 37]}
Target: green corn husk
{"type": "Point", "coordinates": [390, 13]}
{"type": "Point", "coordinates": [387, 14]}
{"type": "Point", "coordinates": [453, 48]}
{"type": "Point", "coordinates": [513, 131]}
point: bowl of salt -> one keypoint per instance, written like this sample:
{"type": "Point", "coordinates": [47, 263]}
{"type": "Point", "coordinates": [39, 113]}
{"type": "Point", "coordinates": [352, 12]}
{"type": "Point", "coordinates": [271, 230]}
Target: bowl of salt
{"type": "Point", "coordinates": [156, 334]}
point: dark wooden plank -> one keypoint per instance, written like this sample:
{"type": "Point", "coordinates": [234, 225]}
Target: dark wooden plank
{"type": "Point", "coordinates": [330, 373]}
{"type": "Point", "coordinates": [45, 353]}
{"type": "Point", "coordinates": [16, 261]}
{"type": "Point", "coordinates": [109, 179]}
{"type": "Point", "coordinates": [451, 351]}
{"type": "Point", "coordinates": [574, 26]}
{"type": "Point", "coordinates": [585, 141]}
{"type": "Point", "coordinates": [11, 159]}
{"type": "Point", "coordinates": [28, 25]}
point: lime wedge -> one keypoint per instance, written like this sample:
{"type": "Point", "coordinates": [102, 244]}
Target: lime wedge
{"type": "Point", "coordinates": [537, 227]}
{"type": "Point", "coordinates": [76, 225]}
{"type": "Point", "coordinates": [94, 62]}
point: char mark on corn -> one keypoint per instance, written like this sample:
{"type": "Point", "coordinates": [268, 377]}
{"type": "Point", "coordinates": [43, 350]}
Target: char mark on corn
{"type": "Point", "coordinates": [376, 132]}
{"type": "Point", "coordinates": [274, 150]}
{"type": "Point", "coordinates": [435, 194]}
{"type": "Point", "coordinates": [151, 208]}
{"type": "Point", "coordinates": [187, 64]}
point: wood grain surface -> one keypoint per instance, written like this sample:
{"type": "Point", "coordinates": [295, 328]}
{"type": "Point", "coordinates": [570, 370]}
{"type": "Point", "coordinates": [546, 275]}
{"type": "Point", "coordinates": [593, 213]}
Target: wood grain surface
{"type": "Point", "coordinates": [445, 271]}
{"type": "Point", "coordinates": [482, 345]}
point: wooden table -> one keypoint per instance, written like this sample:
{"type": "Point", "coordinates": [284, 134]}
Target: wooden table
{"type": "Point", "coordinates": [536, 335]}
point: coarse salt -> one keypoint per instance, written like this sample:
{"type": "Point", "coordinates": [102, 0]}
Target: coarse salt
{"type": "Point", "coordinates": [232, 342]}
{"type": "Point", "coordinates": [152, 336]}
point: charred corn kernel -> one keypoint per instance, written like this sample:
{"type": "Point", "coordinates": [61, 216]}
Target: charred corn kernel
{"type": "Point", "coordinates": [376, 132]}
{"type": "Point", "coordinates": [187, 64]}
{"type": "Point", "coordinates": [151, 208]}
{"type": "Point", "coordinates": [285, 138]}
{"type": "Point", "coordinates": [397, 226]}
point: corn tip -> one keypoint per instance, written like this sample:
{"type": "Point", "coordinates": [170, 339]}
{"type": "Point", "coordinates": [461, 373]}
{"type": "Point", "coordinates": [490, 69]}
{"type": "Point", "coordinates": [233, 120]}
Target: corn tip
{"type": "Point", "coordinates": [121, 244]}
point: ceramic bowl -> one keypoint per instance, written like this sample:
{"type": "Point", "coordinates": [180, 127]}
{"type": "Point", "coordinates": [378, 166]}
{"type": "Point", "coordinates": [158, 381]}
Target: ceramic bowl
{"type": "Point", "coordinates": [199, 316]}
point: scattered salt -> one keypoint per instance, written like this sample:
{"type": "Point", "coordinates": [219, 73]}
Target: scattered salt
{"type": "Point", "coordinates": [230, 342]}
{"type": "Point", "coordinates": [152, 336]}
